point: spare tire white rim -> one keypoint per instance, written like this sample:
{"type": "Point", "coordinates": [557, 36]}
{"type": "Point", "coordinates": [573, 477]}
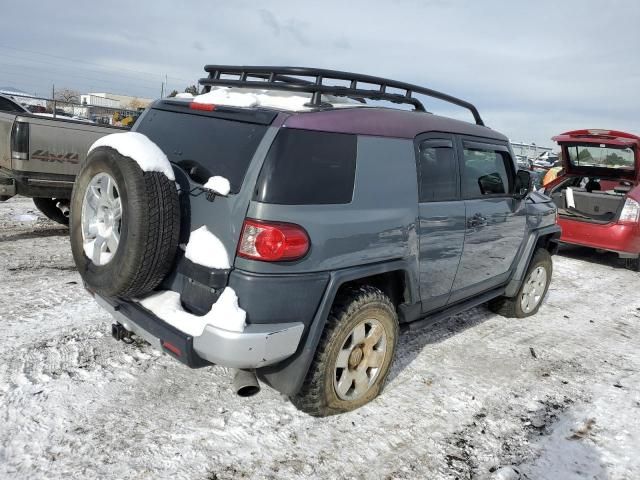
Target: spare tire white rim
{"type": "Point", "coordinates": [101, 219]}
{"type": "Point", "coordinates": [360, 360]}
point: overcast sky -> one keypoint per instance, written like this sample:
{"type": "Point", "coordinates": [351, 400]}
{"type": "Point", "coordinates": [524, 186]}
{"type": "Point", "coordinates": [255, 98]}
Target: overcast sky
{"type": "Point", "coordinates": [533, 69]}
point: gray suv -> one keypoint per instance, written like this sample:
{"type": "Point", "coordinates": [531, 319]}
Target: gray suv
{"type": "Point", "coordinates": [339, 223]}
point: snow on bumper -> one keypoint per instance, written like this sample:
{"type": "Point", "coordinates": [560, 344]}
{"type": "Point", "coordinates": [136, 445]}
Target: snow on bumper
{"type": "Point", "coordinates": [257, 346]}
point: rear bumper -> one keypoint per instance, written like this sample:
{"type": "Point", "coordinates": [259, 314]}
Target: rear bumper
{"type": "Point", "coordinates": [257, 346]}
{"type": "Point", "coordinates": [623, 239]}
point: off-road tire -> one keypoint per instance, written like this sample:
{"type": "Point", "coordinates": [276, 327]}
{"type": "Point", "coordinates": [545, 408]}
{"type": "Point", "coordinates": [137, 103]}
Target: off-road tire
{"type": "Point", "coordinates": [49, 207]}
{"type": "Point", "coordinates": [318, 397]}
{"type": "Point", "coordinates": [511, 306]}
{"type": "Point", "coordinates": [150, 227]}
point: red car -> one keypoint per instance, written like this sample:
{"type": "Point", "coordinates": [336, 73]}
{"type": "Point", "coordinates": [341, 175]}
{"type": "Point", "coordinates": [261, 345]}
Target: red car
{"type": "Point", "coordinates": [598, 193]}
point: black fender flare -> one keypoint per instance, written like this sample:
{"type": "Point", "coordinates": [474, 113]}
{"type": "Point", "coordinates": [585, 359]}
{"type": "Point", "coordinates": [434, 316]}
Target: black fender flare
{"type": "Point", "coordinates": [553, 233]}
{"type": "Point", "coordinates": [288, 376]}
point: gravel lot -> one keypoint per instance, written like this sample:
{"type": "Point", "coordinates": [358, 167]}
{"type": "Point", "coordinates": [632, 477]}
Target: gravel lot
{"type": "Point", "coordinates": [556, 396]}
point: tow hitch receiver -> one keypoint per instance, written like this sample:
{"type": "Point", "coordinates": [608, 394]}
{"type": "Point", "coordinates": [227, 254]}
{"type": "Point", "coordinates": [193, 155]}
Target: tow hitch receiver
{"type": "Point", "coordinates": [120, 333]}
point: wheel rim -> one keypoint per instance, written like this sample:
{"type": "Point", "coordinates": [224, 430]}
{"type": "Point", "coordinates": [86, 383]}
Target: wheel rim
{"type": "Point", "coordinates": [101, 219]}
{"type": "Point", "coordinates": [360, 360]}
{"type": "Point", "coordinates": [533, 290]}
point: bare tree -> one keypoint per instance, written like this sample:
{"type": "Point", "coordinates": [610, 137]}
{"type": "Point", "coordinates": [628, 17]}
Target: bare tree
{"type": "Point", "coordinates": [67, 95]}
{"type": "Point", "coordinates": [192, 89]}
{"type": "Point", "coordinates": [135, 104]}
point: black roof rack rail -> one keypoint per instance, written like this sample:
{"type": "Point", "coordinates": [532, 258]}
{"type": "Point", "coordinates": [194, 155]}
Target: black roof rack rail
{"type": "Point", "coordinates": [279, 78]}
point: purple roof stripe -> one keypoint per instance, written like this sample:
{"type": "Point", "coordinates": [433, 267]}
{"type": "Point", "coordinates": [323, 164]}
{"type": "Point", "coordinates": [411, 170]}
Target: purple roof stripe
{"type": "Point", "coordinates": [384, 122]}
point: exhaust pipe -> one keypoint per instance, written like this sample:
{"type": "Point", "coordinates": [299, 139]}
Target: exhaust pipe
{"type": "Point", "coordinates": [64, 208]}
{"type": "Point", "coordinates": [245, 383]}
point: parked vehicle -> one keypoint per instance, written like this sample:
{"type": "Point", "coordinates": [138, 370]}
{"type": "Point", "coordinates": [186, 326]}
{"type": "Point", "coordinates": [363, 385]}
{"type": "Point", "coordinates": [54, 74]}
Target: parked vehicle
{"type": "Point", "coordinates": [40, 156]}
{"type": "Point", "coordinates": [339, 223]}
{"type": "Point", "coordinates": [8, 104]}
{"type": "Point", "coordinates": [597, 192]}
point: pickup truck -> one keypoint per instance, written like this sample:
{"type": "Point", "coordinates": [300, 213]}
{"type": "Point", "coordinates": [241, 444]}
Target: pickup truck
{"type": "Point", "coordinates": [41, 155]}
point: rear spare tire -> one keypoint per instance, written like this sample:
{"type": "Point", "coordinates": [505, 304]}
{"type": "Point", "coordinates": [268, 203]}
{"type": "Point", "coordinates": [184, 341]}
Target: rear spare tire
{"type": "Point", "coordinates": [49, 207]}
{"type": "Point", "coordinates": [125, 225]}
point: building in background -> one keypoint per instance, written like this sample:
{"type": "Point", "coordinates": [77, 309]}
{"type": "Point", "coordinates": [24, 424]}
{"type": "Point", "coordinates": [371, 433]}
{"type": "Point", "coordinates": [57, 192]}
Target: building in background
{"type": "Point", "coordinates": [112, 100]}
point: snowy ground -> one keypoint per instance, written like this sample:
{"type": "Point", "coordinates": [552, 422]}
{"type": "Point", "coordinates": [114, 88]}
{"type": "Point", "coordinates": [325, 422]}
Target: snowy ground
{"type": "Point", "coordinates": [556, 396]}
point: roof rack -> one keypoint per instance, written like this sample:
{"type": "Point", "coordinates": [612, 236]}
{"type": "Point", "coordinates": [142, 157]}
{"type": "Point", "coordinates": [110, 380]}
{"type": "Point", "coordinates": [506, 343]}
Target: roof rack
{"type": "Point", "coordinates": [279, 78]}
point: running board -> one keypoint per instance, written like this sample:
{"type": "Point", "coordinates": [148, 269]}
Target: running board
{"type": "Point", "coordinates": [455, 309]}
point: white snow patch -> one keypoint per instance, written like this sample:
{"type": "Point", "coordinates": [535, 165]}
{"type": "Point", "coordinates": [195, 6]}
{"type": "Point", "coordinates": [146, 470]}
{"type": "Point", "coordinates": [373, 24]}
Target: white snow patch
{"type": "Point", "coordinates": [224, 314]}
{"type": "Point", "coordinates": [218, 184]}
{"type": "Point", "coordinates": [25, 217]}
{"type": "Point", "coordinates": [184, 95]}
{"type": "Point", "coordinates": [245, 97]}
{"type": "Point", "coordinates": [138, 147]}
{"type": "Point", "coordinates": [205, 249]}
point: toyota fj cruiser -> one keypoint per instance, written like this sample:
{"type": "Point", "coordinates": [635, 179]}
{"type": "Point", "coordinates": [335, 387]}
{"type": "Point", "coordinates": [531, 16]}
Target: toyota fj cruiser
{"type": "Point", "coordinates": [341, 222]}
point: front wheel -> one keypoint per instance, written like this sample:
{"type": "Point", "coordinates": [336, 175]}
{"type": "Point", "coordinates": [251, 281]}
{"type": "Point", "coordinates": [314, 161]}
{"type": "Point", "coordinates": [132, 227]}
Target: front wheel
{"type": "Point", "coordinates": [354, 355]}
{"type": "Point", "coordinates": [531, 292]}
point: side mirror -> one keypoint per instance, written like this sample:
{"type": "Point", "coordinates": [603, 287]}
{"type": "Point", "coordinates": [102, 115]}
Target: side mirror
{"type": "Point", "coordinates": [491, 184]}
{"type": "Point", "coordinates": [523, 184]}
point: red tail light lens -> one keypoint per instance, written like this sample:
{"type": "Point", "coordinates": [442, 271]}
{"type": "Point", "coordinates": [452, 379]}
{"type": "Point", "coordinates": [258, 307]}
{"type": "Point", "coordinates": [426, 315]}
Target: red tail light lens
{"type": "Point", "coordinates": [171, 347]}
{"type": "Point", "coordinates": [207, 107]}
{"type": "Point", "coordinates": [272, 241]}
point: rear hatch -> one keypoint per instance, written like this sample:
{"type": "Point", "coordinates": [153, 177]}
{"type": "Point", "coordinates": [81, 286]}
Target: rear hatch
{"type": "Point", "coordinates": [601, 168]}
{"type": "Point", "coordinates": [224, 141]}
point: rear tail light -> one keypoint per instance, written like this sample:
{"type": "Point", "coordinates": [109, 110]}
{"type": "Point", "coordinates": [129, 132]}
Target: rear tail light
{"type": "Point", "coordinates": [630, 212]}
{"type": "Point", "coordinates": [171, 348]}
{"type": "Point", "coordinates": [20, 141]}
{"type": "Point", "coordinates": [272, 241]}
{"type": "Point", "coordinates": [207, 107]}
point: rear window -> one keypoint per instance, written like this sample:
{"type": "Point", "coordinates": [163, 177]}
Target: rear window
{"type": "Point", "coordinates": [602, 156]}
{"type": "Point", "coordinates": [306, 168]}
{"type": "Point", "coordinates": [204, 146]}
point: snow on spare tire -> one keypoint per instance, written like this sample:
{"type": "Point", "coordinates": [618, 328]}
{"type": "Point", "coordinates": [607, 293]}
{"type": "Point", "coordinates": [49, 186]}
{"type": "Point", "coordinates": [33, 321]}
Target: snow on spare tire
{"type": "Point", "coordinates": [125, 216]}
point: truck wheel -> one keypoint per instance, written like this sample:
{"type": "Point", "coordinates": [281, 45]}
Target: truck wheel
{"type": "Point", "coordinates": [354, 355]}
{"type": "Point", "coordinates": [125, 225]}
{"type": "Point", "coordinates": [532, 291]}
{"type": "Point", "coordinates": [49, 207]}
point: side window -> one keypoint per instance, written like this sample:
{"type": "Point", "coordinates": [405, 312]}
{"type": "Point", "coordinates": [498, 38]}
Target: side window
{"type": "Point", "coordinates": [308, 168]}
{"type": "Point", "coordinates": [437, 176]}
{"type": "Point", "coordinates": [485, 172]}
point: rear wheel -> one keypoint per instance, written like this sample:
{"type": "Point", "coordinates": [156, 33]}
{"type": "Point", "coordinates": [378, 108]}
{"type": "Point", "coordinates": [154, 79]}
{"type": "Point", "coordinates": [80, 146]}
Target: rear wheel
{"type": "Point", "coordinates": [125, 225]}
{"type": "Point", "coordinates": [531, 292]}
{"type": "Point", "coordinates": [354, 355]}
{"type": "Point", "coordinates": [50, 207]}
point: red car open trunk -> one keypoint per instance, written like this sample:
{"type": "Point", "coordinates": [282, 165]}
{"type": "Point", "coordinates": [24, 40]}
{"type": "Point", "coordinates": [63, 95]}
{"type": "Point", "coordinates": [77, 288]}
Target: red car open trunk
{"type": "Point", "coordinates": [598, 191]}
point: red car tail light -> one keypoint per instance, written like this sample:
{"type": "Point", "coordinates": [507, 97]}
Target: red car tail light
{"type": "Point", "coordinates": [272, 241]}
{"type": "Point", "coordinates": [630, 212]}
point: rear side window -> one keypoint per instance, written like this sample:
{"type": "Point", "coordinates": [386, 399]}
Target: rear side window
{"type": "Point", "coordinates": [204, 146]}
{"type": "Point", "coordinates": [485, 172]}
{"type": "Point", "coordinates": [306, 168]}
{"type": "Point", "coordinates": [438, 178]}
